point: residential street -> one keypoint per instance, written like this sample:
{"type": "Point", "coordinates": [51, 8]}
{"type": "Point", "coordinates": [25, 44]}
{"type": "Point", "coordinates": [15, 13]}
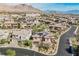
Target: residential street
{"type": "Point", "coordinates": [62, 44]}
{"type": "Point", "coordinates": [21, 52]}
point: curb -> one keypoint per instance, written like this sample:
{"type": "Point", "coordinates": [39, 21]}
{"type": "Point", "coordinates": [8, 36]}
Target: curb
{"type": "Point", "coordinates": [59, 40]}
{"type": "Point", "coordinates": [76, 30]}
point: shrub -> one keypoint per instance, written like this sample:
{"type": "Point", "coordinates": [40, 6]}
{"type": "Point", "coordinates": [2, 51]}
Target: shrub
{"type": "Point", "coordinates": [27, 43]}
{"type": "Point", "coordinates": [10, 52]}
{"type": "Point", "coordinates": [2, 41]}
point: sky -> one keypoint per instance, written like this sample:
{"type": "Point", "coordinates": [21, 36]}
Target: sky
{"type": "Point", "coordinates": [56, 6]}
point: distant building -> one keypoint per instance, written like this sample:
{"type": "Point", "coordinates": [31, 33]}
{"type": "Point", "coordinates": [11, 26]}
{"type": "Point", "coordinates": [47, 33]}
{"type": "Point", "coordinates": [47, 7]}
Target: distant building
{"type": "Point", "coordinates": [32, 14]}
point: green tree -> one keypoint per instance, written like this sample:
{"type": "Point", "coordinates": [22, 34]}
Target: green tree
{"type": "Point", "coordinates": [77, 51]}
{"type": "Point", "coordinates": [39, 28]}
{"type": "Point", "coordinates": [28, 43]}
{"type": "Point", "coordinates": [2, 41]}
{"type": "Point", "coordinates": [10, 52]}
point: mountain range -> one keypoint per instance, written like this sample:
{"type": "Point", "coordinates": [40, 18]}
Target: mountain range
{"type": "Point", "coordinates": [63, 12]}
{"type": "Point", "coordinates": [19, 8]}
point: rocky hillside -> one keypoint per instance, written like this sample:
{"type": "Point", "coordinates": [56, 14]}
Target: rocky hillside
{"type": "Point", "coordinates": [19, 8]}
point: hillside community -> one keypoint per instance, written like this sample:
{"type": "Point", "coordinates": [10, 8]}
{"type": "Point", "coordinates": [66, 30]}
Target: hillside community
{"type": "Point", "coordinates": [23, 26]}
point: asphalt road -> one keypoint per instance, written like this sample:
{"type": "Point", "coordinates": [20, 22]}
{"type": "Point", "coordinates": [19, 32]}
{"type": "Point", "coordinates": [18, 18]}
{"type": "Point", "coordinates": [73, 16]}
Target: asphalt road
{"type": "Point", "coordinates": [62, 49]}
{"type": "Point", "coordinates": [20, 52]}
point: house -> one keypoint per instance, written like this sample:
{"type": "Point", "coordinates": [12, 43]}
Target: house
{"type": "Point", "coordinates": [48, 38]}
{"type": "Point", "coordinates": [10, 24]}
{"type": "Point", "coordinates": [58, 27]}
{"type": "Point", "coordinates": [21, 34]}
{"type": "Point", "coordinates": [37, 38]}
{"type": "Point", "coordinates": [42, 37]}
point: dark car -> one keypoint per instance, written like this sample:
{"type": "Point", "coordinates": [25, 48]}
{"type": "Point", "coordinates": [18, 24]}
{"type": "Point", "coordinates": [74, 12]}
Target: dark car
{"type": "Point", "coordinates": [67, 41]}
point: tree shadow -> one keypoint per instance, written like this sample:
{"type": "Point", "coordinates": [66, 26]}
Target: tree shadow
{"type": "Point", "coordinates": [69, 49]}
